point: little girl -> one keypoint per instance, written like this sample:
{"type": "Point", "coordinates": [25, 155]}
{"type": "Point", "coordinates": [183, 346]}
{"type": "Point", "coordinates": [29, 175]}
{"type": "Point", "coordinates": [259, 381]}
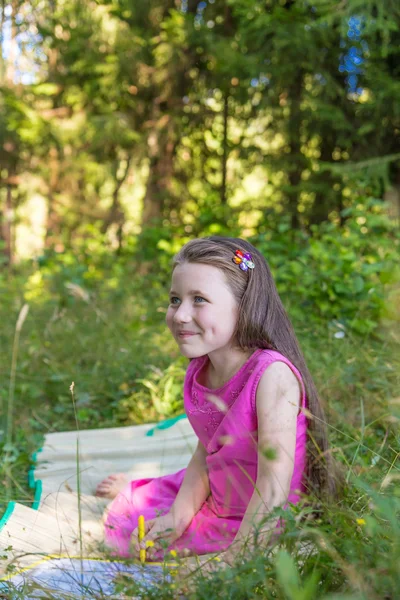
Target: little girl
{"type": "Point", "coordinates": [245, 391]}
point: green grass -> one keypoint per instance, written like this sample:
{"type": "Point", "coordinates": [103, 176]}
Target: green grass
{"type": "Point", "coordinates": [108, 332]}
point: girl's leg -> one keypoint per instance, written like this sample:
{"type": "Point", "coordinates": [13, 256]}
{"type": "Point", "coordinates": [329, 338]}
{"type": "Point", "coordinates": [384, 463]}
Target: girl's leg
{"type": "Point", "coordinates": [147, 497]}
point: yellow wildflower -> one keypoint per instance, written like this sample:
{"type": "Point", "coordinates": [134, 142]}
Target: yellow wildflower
{"type": "Point", "coordinates": [360, 521]}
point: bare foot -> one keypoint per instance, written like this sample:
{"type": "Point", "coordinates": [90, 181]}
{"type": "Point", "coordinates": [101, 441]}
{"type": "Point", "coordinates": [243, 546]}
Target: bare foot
{"type": "Point", "coordinates": [112, 485]}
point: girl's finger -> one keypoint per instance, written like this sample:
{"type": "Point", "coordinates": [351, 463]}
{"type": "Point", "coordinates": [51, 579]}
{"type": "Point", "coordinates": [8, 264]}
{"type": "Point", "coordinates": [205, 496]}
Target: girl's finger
{"type": "Point", "coordinates": [148, 525]}
{"type": "Point", "coordinates": [148, 541]}
{"type": "Point", "coordinates": [136, 545]}
{"type": "Point", "coordinates": [154, 549]}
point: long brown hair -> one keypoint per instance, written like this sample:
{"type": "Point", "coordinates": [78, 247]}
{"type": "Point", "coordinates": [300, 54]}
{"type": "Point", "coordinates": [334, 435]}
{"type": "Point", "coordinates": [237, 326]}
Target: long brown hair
{"type": "Point", "coordinates": [264, 323]}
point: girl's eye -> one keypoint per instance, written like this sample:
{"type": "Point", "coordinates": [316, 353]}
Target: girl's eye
{"type": "Point", "coordinates": [175, 298]}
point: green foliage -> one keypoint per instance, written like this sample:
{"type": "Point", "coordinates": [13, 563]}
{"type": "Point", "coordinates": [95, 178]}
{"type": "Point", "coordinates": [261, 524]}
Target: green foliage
{"type": "Point", "coordinates": [165, 388]}
{"type": "Point", "coordinates": [227, 118]}
{"type": "Point", "coordinates": [343, 274]}
{"type": "Point", "coordinates": [21, 126]}
{"type": "Point", "coordinates": [173, 107]}
{"type": "Point", "coordinates": [334, 556]}
{"type": "Point", "coordinates": [99, 322]}
{"type": "Point", "coordinates": [289, 580]}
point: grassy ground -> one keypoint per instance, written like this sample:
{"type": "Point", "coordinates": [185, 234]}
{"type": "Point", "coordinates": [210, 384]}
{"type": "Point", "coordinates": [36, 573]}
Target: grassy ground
{"type": "Point", "coordinates": [109, 337]}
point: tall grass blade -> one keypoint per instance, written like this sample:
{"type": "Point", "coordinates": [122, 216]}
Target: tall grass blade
{"type": "Point", "coordinates": [11, 394]}
{"type": "Point", "coordinates": [78, 479]}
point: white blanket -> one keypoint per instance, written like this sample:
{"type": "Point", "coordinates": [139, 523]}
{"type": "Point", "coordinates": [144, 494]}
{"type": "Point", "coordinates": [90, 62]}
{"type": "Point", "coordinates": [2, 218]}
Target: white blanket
{"type": "Point", "coordinates": [62, 578]}
{"type": "Point", "coordinates": [26, 534]}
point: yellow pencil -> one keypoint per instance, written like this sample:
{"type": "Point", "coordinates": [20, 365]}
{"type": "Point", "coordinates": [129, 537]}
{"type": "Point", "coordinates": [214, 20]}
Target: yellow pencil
{"type": "Point", "coordinates": [142, 552]}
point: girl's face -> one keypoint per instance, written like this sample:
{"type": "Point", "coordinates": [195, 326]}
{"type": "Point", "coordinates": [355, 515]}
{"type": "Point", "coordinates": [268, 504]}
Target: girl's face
{"type": "Point", "coordinates": [202, 304]}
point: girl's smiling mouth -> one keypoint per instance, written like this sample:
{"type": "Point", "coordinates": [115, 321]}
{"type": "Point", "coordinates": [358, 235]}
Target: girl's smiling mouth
{"type": "Point", "coordinates": [185, 334]}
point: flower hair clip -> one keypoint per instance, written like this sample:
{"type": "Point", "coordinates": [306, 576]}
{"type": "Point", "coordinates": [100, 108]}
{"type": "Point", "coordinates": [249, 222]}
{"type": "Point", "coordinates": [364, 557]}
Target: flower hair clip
{"type": "Point", "coordinates": [244, 260]}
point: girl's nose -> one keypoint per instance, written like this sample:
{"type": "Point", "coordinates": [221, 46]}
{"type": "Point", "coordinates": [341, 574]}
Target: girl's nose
{"type": "Point", "coordinates": [182, 315]}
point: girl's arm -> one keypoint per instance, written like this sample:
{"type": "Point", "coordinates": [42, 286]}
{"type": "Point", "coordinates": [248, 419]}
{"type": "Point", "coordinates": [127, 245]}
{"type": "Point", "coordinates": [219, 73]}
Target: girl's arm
{"type": "Point", "coordinates": [277, 401]}
{"type": "Point", "coordinates": [195, 488]}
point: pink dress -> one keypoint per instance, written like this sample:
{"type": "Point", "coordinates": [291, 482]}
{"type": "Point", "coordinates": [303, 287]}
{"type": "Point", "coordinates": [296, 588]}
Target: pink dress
{"type": "Point", "coordinates": [230, 438]}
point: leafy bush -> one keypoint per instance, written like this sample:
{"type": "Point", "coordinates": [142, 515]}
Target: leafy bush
{"type": "Point", "coordinates": [163, 391]}
{"type": "Point", "coordinates": [345, 273]}
{"type": "Point", "coordinates": [100, 321]}
{"type": "Point", "coordinates": [342, 553]}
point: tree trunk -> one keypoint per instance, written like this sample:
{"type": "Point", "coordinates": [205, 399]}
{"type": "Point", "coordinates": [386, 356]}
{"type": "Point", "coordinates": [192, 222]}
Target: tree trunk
{"type": "Point", "coordinates": [162, 146]}
{"type": "Point", "coordinates": [296, 157]}
{"type": "Point", "coordinates": [2, 59]}
{"type": "Point", "coordinates": [52, 219]}
{"type": "Point", "coordinates": [323, 197]}
{"type": "Point", "coordinates": [225, 148]}
{"type": "Point", "coordinates": [116, 214]}
{"type": "Point", "coordinates": [12, 45]}
{"type": "Point", "coordinates": [153, 201]}
{"type": "Point", "coordinates": [6, 222]}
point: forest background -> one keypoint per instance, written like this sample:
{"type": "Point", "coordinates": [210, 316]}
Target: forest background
{"type": "Point", "coordinates": [128, 127]}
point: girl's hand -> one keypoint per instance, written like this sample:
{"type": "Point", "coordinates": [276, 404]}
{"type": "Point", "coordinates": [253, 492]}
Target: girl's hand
{"type": "Point", "coordinates": [187, 573]}
{"type": "Point", "coordinates": [228, 558]}
{"type": "Point", "coordinates": [220, 561]}
{"type": "Point", "coordinates": [166, 528]}
{"type": "Point", "coordinates": [208, 563]}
